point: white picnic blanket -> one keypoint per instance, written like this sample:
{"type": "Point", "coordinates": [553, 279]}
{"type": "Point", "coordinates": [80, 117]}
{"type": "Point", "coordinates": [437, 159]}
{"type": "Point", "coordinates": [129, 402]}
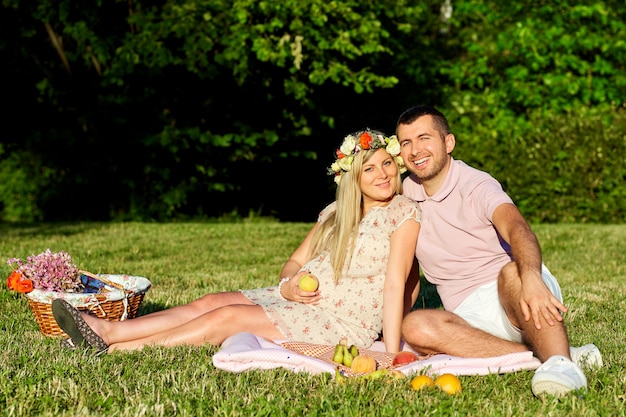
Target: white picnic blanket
{"type": "Point", "coordinates": [246, 351]}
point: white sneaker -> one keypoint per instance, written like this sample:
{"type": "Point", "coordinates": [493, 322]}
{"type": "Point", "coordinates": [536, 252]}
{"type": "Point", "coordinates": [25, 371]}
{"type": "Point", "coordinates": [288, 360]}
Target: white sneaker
{"type": "Point", "coordinates": [586, 356]}
{"type": "Point", "coordinates": [558, 376]}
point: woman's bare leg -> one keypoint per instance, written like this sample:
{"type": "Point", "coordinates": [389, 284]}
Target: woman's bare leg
{"type": "Point", "coordinates": [159, 321]}
{"type": "Point", "coordinates": [212, 327]}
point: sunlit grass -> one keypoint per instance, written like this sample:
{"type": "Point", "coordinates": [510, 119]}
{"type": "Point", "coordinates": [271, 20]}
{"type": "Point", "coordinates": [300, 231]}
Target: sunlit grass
{"type": "Point", "coordinates": [186, 260]}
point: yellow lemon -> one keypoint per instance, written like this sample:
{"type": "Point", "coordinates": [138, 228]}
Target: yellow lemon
{"type": "Point", "coordinates": [448, 383]}
{"type": "Point", "coordinates": [421, 381]}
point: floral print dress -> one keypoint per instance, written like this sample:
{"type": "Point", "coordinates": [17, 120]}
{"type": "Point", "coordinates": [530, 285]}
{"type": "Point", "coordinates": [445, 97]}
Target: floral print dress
{"type": "Point", "coordinates": [354, 307]}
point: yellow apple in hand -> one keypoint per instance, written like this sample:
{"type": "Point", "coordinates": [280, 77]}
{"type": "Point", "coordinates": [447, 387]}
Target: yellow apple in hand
{"type": "Point", "coordinates": [308, 282]}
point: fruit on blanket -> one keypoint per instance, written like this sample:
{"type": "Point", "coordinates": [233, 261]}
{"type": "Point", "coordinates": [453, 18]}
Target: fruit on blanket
{"type": "Point", "coordinates": [347, 356]}
{"type": "Point", "coordinates": [354, 351]}
{"type": "Point", "coordinates": [363, 364]}
{"type": "Point", "coordinates": [308, 282]}
{"type": "Point", "coordinates": [403, 357]}
{"type": "Point", "coordinates": [338, 354]}
{"type": "Point", "coordinates": [422, 381]}
{"type": "Point", "coordinates": [343, 354]}
{"type": "Point", "coordinates": [448, 383]}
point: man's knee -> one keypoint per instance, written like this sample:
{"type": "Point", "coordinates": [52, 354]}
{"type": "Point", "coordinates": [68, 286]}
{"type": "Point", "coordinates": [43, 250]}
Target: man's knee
{"type": "Point", "coordinates": [411, 326]}
{"type": "Point", "coordinates": [420, 326]}
{"type": "Point", "coordinates": [509, 271]}
{"type": "Point", "coordinates": [509, 281]}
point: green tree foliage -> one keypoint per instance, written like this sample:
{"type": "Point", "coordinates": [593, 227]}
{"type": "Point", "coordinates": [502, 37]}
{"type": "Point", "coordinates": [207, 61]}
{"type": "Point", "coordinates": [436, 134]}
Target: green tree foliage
{"type": "Point", "coordinates": [549, 55]}
{"type": "Point", "coordinates": [573, 167]}
{"type": "Point", "coordinates": [160, 110]}
{"type": "Point", "coordinates": [536, 93]}
{"type": "Point", "coordinates": [164, 103]}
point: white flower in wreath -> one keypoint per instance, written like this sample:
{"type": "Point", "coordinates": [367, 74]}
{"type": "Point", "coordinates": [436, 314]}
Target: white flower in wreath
{"type": "Point", "coordinates": [346, 163]}
{"type": "Point", "coordinates": [393, 147]}
{"type": "Point", "coordinates": [348, 145]}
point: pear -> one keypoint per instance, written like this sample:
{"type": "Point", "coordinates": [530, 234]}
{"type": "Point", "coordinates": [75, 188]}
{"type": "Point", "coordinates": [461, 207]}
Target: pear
{"type": "Point", "coordinates": [338, 354]}
{"type": "Point", "coordinates": [347, 356]}
{"type": "Point", "coordinates": [354, 351]}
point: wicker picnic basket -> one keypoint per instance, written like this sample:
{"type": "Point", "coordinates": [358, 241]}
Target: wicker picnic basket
{"type": "Point", "coordinates": [119, 299]}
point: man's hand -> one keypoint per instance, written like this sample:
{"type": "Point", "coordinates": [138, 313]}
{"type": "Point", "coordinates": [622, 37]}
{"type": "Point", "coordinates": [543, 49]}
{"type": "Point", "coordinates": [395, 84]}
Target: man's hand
{"type": "Point", "coordinates": [537, 301]}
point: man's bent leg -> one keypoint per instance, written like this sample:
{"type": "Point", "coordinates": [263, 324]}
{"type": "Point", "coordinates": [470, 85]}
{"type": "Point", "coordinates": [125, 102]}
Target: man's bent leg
{"type": "Point", "coordinates": [545, 342]}
{"type": "Point", "coordinates": [437, 331]}
{"type": "Point", "coordinates": [558, 374]}
{"type": "Point", "coordinates": [584, 356]}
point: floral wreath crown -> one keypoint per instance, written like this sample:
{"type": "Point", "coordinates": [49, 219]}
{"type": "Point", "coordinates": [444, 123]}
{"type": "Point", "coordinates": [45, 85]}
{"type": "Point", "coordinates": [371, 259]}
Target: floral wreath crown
{"type": "Point", "coordinates": [365, 140]}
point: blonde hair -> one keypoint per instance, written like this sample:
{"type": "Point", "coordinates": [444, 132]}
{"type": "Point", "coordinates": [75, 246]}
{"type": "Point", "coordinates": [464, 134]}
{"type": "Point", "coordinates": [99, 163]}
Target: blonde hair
{"type": "Point", "coordinates": [337, 233]}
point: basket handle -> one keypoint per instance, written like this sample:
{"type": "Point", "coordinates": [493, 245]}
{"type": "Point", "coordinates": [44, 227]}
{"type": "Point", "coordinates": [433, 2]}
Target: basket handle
{"type": "Point", "coordinates": [106, 281]}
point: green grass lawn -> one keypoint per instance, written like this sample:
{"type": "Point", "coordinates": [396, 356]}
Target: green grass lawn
{"type": "Point", "coordinates": [187, 260]}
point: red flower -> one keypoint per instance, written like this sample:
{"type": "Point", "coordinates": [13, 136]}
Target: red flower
{"type": "Point", "coordinates": [16, 282]}
{"type": "Point", "coordinates": [24, 285]}
{"type": "Point", "coordinates": [365, 140]}
{"type": "Point", "coordinates": [340, 154]}
{"type": "Point", "coordinates": [13, 279]}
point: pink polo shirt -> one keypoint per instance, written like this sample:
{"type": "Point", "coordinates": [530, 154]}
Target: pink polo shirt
{"type": "Point", "coordinates": [458, 247]}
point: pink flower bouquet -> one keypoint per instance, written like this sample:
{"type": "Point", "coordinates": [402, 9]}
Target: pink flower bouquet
{"type": "Point", "coordinates": [48, 271]}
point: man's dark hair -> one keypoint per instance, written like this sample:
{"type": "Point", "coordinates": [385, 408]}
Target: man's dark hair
{"type": "Point", "coordinates": [413, 113]}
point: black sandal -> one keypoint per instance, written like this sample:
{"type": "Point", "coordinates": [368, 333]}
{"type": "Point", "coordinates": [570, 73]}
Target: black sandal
{"type": "Point", "coordinates": [70, 320]}
{"type": "Point", "coordinates": [67, 343]}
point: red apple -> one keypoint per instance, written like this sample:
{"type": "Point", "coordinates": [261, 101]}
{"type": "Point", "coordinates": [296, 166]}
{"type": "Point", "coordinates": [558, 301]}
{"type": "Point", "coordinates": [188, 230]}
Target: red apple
{"type": "Point", "coordinates": [404, 357]}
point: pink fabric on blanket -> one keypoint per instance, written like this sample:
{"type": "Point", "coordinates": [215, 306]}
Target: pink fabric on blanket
{"type": "Point", "coordinates": [245, 351]}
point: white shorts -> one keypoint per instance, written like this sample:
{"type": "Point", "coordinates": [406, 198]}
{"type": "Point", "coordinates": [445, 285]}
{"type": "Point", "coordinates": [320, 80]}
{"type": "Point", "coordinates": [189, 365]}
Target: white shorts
{"type": "Point", "coordinates": [482, 309]}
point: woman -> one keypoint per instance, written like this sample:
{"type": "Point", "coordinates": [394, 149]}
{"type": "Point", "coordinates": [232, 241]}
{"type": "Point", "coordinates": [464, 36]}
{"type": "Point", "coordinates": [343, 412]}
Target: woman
{"type": "Point", "coordinates": [361, 250]}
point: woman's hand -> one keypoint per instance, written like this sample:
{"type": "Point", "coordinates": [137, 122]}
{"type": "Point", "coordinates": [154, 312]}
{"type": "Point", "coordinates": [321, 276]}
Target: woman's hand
{"type": "Point", "coordinates": [292, 292]}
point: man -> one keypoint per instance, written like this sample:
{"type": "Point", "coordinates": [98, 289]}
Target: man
{"type": "Point", "coordinates": [485, 261]}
